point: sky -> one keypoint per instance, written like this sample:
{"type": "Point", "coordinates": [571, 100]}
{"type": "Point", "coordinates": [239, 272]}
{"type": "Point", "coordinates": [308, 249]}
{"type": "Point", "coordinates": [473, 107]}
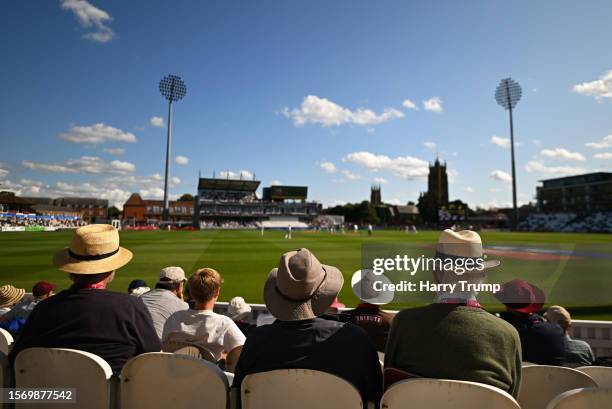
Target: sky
{"type": "Point", "coordinates": [336, 95]}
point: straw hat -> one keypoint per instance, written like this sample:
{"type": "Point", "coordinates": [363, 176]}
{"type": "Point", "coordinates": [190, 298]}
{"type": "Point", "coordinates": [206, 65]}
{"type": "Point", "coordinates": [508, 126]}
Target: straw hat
{"type": "Point", "coordinates": [94, 249]}
{"type": "Point", "coordinates": [10, 295]}
{"type": "Point", "coordinates": [462, 244]}
{"type": "Point", "coordinates": [301, 287]}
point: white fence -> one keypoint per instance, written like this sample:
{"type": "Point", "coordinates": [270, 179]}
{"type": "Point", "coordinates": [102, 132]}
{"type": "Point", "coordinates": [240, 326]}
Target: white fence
{"type": "Point", "coordinates": [597, 333]}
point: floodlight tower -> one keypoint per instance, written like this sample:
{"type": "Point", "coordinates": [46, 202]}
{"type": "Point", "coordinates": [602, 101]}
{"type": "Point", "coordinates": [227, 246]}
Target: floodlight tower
{"type": "Point", "coordinates": [507, 94]}
{"type": "Point", "coordinates": [173, 89]}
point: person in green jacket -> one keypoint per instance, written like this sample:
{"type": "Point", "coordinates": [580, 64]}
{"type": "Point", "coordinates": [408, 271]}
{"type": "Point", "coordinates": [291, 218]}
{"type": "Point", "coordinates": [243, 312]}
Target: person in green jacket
{"type": "Point", "coordinates": [454, 338]}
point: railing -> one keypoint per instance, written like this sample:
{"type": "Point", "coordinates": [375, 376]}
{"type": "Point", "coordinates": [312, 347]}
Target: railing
{"type": "Point", "coordinates": [598, 334]}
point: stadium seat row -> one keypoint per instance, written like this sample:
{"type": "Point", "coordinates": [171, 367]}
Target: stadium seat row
{"type": "Point", "coordinates": [165, 380]}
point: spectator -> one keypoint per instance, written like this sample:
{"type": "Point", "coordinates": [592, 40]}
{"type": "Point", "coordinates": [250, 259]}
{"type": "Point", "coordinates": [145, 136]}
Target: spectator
{"type": "Point", "coordinates": [454, 338]}
{"type": "Point", "coordinates": [166, 298]}
{"type": "Point", "coordinates": [9, 296]}
{"type": "Point", "coordinates": [112, 325]}
{"type": "Point", "coordinates": [368, 315]}
{"type": "Point", "coordinates": [333, 312]}
{"type": "Point", "coordinates": [201, 325]}
{"type": "Point", "coordinates": [18, 315]}
{"type": "Point", "coordinates": [138, 287]}
{"type": "Point", "coordinates": [577, 352]}
{"type": "Point", "coordinates": [297, 293]}
{"type": "Point", "coordinates": [542, 342]}
{"type": "Point", "coordinates": [238, 310]}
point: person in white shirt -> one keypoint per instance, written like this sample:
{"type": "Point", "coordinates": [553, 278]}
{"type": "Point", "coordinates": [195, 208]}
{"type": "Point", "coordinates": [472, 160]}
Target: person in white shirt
{"type": "Point", "coordinates": [201, 325]}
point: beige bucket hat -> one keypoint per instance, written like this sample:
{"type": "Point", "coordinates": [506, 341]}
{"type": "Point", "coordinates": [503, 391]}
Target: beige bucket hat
{"type": "Point", "coordinates": [462, 244]}
{"type": "Point", "coordinates": [94, 249]}
{"type": "Point", "coordinates": [10, 295]}
{"type": "Point", "coordinates": [301, 287]}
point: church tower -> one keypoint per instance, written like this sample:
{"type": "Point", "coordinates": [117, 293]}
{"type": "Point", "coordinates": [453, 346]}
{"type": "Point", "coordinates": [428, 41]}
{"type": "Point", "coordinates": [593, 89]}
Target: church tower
{"type": "Point", "coordinates": [437, 183]}
{"type": "Point", "coordinates": [375, 197]}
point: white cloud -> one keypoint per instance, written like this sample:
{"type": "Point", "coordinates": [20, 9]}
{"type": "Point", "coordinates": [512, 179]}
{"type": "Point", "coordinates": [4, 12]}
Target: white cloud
{"type": "Point", "coordinates": [500, 141]}
{"type": "Point", "coordinates": [116, 189]}
{"type": "Point", "coordinates": [96, 134]}
{"type": "Point", "coordinates": [408, 104]}
{"type": "Point", "coordinates": [405, 166]}
{"type": "Point", "coordinates": [537, 142]}
{"type": "Point", "coordinates": [327, 113]}
{"type": "Point", "coordinates": [501, 176]}
{"type": "Point", "coordinates": [228, 174]}
{"type": "Point", "coordinates": [469, 189]}
{"type": "Point", "coordinates": [429, 145]}
{"type": "Point", "coordinates": [91, 17]}
{"type": "Point", "coordinates": [114, 151]}
{"type": "Point", "coordinates": [562, 153]}
{"type": "Point", "coordinates": [433, 104]}
{"type": "Point", "coordinates": [605, 142]}
{"type": "Point", "coordinates": [3, 172]}
{"type": "Point", "coordinates": [380, 180]}
{"type": "Point", "coordinates": [350, 175]}
{"type": "Point", "coordinates": [539, 167]}
{"type": "Point", "coordinates": [157, 121]}
{"type": "Point", "coordinates": [276, 182]}
{"type": "Point", "coordinates": [604, 155]}
{"type": "Point", "coordinates": [600, 88]}
{"type": "Point", "coordinates": [328, 167]}
{"type": "Point", "coordinates": [85, 164]}
{"type": "Point", "coordinates": [181, 160]}
{"type": "Point", "coordinates": [337, 203]}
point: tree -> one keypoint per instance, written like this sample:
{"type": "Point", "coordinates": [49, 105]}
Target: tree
{"type": "Point", "coordinates": [186, 197]}
{"type": "Point", "coordinates": [113, 212]}
{"type": "Point", "coordinates": [428, 208]}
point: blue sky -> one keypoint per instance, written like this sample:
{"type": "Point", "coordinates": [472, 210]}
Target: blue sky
{"type": "Point", "coordinates": [335, 95]}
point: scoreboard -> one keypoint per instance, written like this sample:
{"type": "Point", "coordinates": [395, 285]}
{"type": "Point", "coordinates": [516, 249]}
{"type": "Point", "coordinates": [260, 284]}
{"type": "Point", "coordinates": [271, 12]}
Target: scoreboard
{"type": "Point", "coordinates": [279, 193]}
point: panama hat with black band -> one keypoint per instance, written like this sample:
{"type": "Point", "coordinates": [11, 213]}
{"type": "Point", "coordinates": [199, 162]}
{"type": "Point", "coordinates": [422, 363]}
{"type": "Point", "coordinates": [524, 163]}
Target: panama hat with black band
{"type": "Point", "coordinates": [94, 249]}
{"type": "Point", "coordinates": [301, 287]}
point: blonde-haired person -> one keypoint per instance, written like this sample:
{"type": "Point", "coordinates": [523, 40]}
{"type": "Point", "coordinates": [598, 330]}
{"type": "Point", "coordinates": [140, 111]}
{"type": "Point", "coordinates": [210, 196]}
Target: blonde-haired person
{"type": "Point", "coordinates": [201, 325]}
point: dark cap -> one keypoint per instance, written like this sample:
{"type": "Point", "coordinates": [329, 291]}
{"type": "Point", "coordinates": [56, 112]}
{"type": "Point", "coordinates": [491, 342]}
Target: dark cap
{"type": "Point", "coordinates": [42, 288]}
{"type": "Point", "coordinates": [135, 284]}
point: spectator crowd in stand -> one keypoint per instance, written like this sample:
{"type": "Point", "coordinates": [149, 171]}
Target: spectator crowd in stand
{"type": "Point", "coordinates": [452, 338]}
{"type": "Point", "coordinates": [9, 220]}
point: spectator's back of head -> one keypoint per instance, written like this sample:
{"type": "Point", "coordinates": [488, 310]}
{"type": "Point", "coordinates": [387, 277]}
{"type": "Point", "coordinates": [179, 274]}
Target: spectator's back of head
{"type": "Point", "coordinates": [204, 285]}
{"type": "Point", "coordinates": [560, 316]}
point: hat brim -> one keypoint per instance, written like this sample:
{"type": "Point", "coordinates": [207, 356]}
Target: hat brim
{"type": "Point", "coordinates": [17, 296]}
{"type": "Point", "coordinates": [63, 261]}
{"type": "Point", "coordinates": [284, 309]}
{"type": "Point", "coordinates": [384, 297]}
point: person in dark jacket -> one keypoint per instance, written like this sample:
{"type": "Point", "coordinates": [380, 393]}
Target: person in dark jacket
{"type": "Point", "coordinates": [297, 293]}
{"type": "Point", "coordinates": [542, 342]}
{"type": "Point", "coordinates": [87, 317]}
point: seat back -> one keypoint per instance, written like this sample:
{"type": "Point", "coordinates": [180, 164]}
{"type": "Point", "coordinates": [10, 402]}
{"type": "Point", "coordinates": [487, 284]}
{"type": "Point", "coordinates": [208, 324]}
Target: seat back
{"type": "Point", "coordinates": [65, 368]}
{"type": "Point", "coordinates": [187, 348]}
{"type": "Point", "coordinates": [541, 383]}
{"type": "Point", "coordinates": [298, 389]}
{"type": "Point", "coordinates": [6, 376]}
{"type": "Point", "coordinates": [600, 374]}
{"type": "Point", "coordinates": [6, 340]}
{"type": "Point", "coordinates": [583, 398]}
{"type": "Point", "coordinates": [424, 393]}
{"type": "Point", "coordinates": [164, 380]}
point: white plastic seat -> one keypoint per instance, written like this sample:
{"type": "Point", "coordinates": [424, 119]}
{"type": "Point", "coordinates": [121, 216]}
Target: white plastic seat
{"type": "Point", "coordinates": [6, 376]}
{"type": "Point", "coordinates": [171, 381]}
{"type": "Point", "coordinates": [600, 374]}
{"type": "Point", "coordinates": [542, 383]}
{"type": "Point", "coordinates": [298, 389]}
{"type": "Point", "coordinates": [6, 340]}
{"type": "Point", "coordinates": [65, 368]}
{"type": "Point", "coordinates": [425, 393]}
{"type": "Point", "coordinates": [584, 398]}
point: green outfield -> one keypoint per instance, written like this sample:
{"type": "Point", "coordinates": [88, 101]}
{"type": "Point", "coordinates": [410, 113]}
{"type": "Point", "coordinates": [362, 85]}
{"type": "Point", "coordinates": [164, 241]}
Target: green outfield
{"type": "Point", "coordinates": [244, 258]}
